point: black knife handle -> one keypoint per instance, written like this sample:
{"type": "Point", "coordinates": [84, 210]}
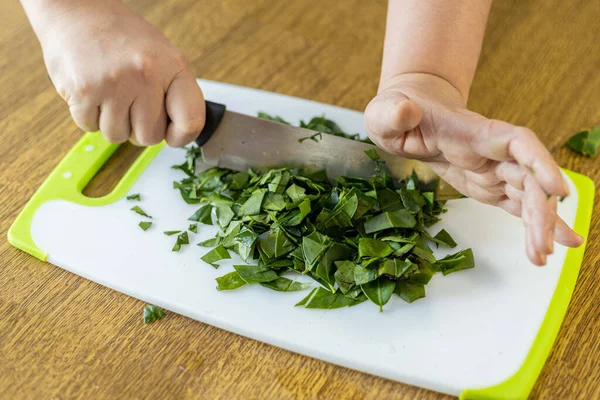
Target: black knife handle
{"type": "Point", "coordinates": [214, 115]}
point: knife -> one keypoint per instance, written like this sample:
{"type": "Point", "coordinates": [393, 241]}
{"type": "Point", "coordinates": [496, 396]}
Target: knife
{"type": "Point", "coordinates": [238, 141]}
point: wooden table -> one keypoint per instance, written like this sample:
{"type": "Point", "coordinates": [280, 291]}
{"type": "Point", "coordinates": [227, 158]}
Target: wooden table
{"type": "Point", "coordinates": [64, 337]}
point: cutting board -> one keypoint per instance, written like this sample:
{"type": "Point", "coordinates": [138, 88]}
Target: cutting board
{"type": "Point", "coordinates": [482, 333]}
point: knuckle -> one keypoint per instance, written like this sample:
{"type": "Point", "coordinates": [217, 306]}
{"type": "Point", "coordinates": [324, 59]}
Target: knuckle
{"type": "Point", "coordinates": [144, 65]}
{"type": "Point", "coordinates": [179, 60]}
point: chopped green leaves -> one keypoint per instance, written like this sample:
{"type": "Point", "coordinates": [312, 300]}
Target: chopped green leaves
{"type": "Point", "coordinates": [230, 281]}
{"type": "Point", "coordinates": [282, 284]}
{"type": "Point", "coordinates": [171, 233]}
{"type": "Point", "coordinates": [585, 143]}
{"type": "Point", "coordinates": [358, 239]}
{"type": "Point", "coordinates": [134, 197]}
{"type": "Point", "coordinates": [456, 262]}
{"type": "Point", "coordinates": [217, 254]}
{"type": "Point", "coordinates": [145, 225]}
{"type": "Point", "coordinates": [204, 215]}
{"type": "Point", "coordinates": [138, 210]}
{"type": "Point", "coordinates": [152, 313]}
{"type": "Point", "coordinates": [315, 138]}
{"type": "Point", "coordinates": [182, 239]}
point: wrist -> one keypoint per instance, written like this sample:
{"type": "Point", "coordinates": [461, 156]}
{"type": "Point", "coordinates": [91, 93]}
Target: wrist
{"type": "Point", "coordinates": [431, 81]}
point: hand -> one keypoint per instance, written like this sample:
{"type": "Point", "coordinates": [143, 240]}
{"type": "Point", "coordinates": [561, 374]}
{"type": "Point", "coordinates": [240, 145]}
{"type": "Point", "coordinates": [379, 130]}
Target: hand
{"type": "Point", "coordinates": [119, 74]}
{"type": "Point", "coordinates": [424, 117]}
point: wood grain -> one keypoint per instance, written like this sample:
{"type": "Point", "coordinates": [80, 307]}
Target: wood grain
{"type": "Point", "coordinates": [63, 337]}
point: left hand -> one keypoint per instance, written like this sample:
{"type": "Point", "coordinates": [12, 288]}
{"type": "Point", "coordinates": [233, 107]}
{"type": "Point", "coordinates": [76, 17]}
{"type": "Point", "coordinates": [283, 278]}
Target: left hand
{"type": "Point", "coordinates": [424, 117]}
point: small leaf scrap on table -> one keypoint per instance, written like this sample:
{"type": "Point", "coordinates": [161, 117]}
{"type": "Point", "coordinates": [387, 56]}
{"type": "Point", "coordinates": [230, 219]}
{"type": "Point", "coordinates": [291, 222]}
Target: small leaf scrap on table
{"type": "Point", "coordinates": [357, 239]}
{"type": "Point", "coordinates": [586, 142]}
{"type": "Point", "coordinates": [152, 313]}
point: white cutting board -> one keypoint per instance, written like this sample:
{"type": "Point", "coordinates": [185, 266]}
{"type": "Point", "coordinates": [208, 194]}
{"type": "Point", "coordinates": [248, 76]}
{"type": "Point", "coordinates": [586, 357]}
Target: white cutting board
{"type": "Point", "coordinates": [473, 330]}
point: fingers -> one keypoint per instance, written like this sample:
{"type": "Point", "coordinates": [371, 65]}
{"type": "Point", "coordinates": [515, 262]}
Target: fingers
{"type": "Point", "coordinates": [148, 118]}
{"type": "Point", "coordinates": [539, 216]}
{"type": "Point", "coordinates": [86, 116]}
{"type": "Point", "coordinates": [502, 141]}
{"type": "Point", "coordinates": [115, 121]}
{"type": "Point", "coordinates": [563, 234]}
{"type": "Point", "coordinates": [186, 109]}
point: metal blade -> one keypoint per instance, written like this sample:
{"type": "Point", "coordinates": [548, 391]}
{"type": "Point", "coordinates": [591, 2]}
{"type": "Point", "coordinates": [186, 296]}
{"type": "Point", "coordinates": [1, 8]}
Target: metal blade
{"type": "Point", "coordinates": [241, 142]}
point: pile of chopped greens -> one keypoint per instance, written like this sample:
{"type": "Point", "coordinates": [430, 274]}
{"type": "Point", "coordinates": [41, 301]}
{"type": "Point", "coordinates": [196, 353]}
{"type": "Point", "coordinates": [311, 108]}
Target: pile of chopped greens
{"type": "Point", "coordinates": [357, 239]}
{"type": "Point", "coordinates": [586, 142]}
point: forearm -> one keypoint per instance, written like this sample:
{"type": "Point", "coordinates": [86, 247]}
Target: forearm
{"type": "Point", "coordinates": [41, 13]}
{"type": "Point", "coordinates": [437, 37]}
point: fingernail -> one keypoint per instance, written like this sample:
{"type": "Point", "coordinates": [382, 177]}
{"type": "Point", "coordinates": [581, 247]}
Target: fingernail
{"type": "Point", "coordinates": [565, 187]}
{"type": "Point", "coordinates": [550, 245]}
{"type": "Point", "coordinates": [543, 257]}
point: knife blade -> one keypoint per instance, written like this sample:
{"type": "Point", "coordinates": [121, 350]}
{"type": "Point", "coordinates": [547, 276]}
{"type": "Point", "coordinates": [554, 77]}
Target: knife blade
{"type": "Point", "coordinates": [238, 141]}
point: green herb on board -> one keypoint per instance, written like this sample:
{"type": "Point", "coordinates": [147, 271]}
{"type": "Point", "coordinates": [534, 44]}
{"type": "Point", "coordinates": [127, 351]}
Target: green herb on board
{"type": "Point", "coordinates": [357, 239]}
{"type": "Point", "coordinates": [315, 138]}
{"type": "Point", "coordinates": [145, 225]}
{"type": "Point", "coordinates": [152, 313]}
{"type": "Point", "coordinates": [138, 210]}
{"type": "Point", "coordinates": [182, 239]}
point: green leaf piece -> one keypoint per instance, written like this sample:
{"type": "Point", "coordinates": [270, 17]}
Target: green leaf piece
{"type": "Point", "coordinates": [182, 239]}
{"type": "Point", "coordinates": [152, 313]}
{"type": "Point", "coordinates": [145, 225]}
{"type": "Point", "coordinates": [171, 233]}
{"type": "Point", "coordinates": [217, 254]}
{"type": "Point", "coordinates": [230, 281]}
{"type": "Point", "coordinates": [379, 291]}
{"type": "Point", "coordinates": [138, 210]}
{"type": "Point", "coordinates": [282, 284]}
{"type": "Point", "coordinates": [409, 292]}
{"type": "Point", "coordinates": [256, 273]}
{"type": "Point", "coordinates": [204, 215]}
{"type": "Point", "coordinates": [134, 197]}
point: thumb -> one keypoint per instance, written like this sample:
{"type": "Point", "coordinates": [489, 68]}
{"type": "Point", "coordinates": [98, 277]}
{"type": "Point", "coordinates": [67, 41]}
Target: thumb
{"type": "Point", "coordinates": [390, 118]}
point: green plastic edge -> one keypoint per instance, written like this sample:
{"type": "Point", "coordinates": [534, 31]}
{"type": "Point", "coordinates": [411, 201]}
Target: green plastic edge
{"type": "Point", "coordinates": [69, 178]}
{"type": "Point", "coordinates": [519, 385]}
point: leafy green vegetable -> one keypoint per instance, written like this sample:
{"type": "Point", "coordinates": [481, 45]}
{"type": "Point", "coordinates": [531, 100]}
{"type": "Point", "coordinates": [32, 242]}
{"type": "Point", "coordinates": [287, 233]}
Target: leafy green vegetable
{"type": "Point", "coordinates": [217, 254]}
{"type": "Point", "coordinates": [193, 228]}
{"type": "Point", "coordinates": [585, 142]}
{"type": "Point", "coordinates": [379, 291]}
{"type": "Point", "coordinates": [171, 233]}
{"type": "Point", "coordinates": [315, 138]}
{"type": "Point", "coordinates": [443, 237]}
{"type": "Point", "coordinates": [182, 239]}
{"type": "Point", "coordinates": [282, 284]}
{"type": "Point", "coordinates": [204, 215]}
{"type": "Point", "coordinates": [324, 299]}
{"type": "Point", "coordinates": [457, 261]}
{"type": "Point", "coordinates": [134, 197]}
{"type": "Point", "coordinates": [230, 281]}
{"type": "Point", "coordinates": [256, 274]}
{"type": "Point", "coordinates": [138, 210]}
{"type": "Point", "coordinates": [145, 225]}
{"type": "Point", "coordinates": [358, 239]}
{"type": "Point", "coordinates": [152, 313]}
{"type": "Point", "coordinates": [409, 292]}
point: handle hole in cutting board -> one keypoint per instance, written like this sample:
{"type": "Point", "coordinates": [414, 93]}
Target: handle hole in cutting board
{"type": "Point", "coordinates": [113, 170]}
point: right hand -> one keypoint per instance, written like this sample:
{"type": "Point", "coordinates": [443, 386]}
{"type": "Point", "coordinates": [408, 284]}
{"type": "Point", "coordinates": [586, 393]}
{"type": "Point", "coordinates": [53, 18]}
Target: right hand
{"type": "Point", "coordinates": [120, 75]}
